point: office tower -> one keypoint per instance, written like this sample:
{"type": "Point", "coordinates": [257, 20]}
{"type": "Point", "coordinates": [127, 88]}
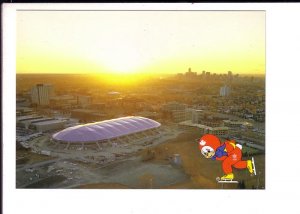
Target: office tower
{"type": "Point", "coordinates": [41, 93]}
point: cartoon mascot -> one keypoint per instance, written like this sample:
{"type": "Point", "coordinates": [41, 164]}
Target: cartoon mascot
{"type": "Point", "coordinates": [229, 153]}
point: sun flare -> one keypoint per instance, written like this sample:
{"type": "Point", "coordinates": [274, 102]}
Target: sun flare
{"type": "Point", "coordinates": [122, 62]}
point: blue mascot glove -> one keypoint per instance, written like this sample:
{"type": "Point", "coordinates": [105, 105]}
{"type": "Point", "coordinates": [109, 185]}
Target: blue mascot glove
{"type": "Point", "coordinates": [214, 157]}
{"type": "Point", "coordinates": [220, 151]}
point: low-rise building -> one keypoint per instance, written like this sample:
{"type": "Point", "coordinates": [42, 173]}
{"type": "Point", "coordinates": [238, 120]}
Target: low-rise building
{"type": "Point", "coordinates": [181, 115]}
{"type": "Point", "coordinates": [26, 123]}
{"type": "Point", "coordinates": [237, 124]}
{"type": "Point", "coordinates": [63, 101]}
{"type": "Point", "coordinates": [49, 125]}
{"type": "Point", "coordinates": [219, 131]}
{"type": "Point", "coordinates": [87, 115]}
{"type": "Point", "coordinates": [204, 129]}
{"type": "Point", "coordinates": [28, 117]}
{"type": "Point", "coordinates": [23, 111]}
{"type": "Point", "coordinates": [171, 106]}
{"type": "Point", "coordinates": [84, 101]}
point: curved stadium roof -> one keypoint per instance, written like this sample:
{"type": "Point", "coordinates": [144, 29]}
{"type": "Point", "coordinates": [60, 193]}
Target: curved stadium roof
{"type": "Point", "coordinates": [105, 129]}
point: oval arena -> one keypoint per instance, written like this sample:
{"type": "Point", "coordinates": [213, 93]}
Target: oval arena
{"type": "Point", "coordinates": [108, 133]}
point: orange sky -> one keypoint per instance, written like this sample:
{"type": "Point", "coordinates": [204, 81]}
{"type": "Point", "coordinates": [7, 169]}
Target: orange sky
{"type": "Point", "coordinates": [123, 42]}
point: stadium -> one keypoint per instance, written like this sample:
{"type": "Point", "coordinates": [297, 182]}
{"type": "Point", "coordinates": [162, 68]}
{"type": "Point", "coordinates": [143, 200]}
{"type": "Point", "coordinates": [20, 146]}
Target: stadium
{"type": "Point", "coordinates": [108, 133]}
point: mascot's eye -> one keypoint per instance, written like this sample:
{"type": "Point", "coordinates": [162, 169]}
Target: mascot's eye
{"type": "Point", "coordinates": [207, 150]}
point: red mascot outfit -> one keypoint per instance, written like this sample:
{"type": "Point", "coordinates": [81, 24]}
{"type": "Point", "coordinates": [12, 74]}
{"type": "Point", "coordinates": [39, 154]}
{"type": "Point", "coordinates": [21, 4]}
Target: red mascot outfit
{"type": "Point", "coordinates": [229, 153]}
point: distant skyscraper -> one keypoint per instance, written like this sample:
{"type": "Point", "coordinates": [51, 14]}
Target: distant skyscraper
{"type": "Point", "coordinates": [41, 93]}
{"type": "Point", "coordinates": [191, 74]}
{"type": "Point", "coordinates": [224, 91]}
{"type": "Point", "coordinates": [230, 76]}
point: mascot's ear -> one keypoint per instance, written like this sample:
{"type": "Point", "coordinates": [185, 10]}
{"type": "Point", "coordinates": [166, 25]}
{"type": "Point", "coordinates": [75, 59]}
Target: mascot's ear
{"type": "Point", "coordinates": [202, 143]}
{"type": "Point", "coordinates": [239, 146]}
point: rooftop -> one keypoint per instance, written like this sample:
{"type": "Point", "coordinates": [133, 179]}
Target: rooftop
{"type": "Point", "coordinates": [49, 122]}
{"type": "Point", "coordinates": [28, 117]}
{"type": "Point", "coordinates": [189, 123]}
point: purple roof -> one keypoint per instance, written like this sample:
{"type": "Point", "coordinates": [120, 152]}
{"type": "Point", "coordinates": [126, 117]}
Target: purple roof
{"type": "Point", "coordinates": [105, 129]}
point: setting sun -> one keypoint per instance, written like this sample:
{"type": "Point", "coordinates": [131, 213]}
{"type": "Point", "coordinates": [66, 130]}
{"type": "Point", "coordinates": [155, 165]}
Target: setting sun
{"type": "Point", "coordinates": [122, 60]}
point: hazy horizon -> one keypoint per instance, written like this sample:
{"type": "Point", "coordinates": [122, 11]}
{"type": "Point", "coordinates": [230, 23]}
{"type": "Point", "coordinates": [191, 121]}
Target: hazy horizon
{"type": "Point", "coordinates": [135, 74]}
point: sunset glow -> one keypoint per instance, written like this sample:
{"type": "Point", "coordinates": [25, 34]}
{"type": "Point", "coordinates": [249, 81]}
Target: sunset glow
{"type": "Point", "coordinates": [128, 42]}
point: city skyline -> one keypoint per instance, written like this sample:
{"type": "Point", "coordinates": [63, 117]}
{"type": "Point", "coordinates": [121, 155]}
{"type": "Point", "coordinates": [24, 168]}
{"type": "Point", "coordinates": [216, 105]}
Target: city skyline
{"type": "Point", "coordinates": [140, 42]}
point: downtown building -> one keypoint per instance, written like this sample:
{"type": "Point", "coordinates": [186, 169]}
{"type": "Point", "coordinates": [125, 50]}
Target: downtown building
{"type": "Point", "coordinates": [41, 93]}
{"type": "Point", "coordinates": [224, 91]}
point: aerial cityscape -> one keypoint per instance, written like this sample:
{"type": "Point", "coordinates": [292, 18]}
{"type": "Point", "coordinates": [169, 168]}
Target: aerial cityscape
{"type": "Point", "coordinates": [124, 107]}
{"type": "Point", "coordinates": [54, 150]}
